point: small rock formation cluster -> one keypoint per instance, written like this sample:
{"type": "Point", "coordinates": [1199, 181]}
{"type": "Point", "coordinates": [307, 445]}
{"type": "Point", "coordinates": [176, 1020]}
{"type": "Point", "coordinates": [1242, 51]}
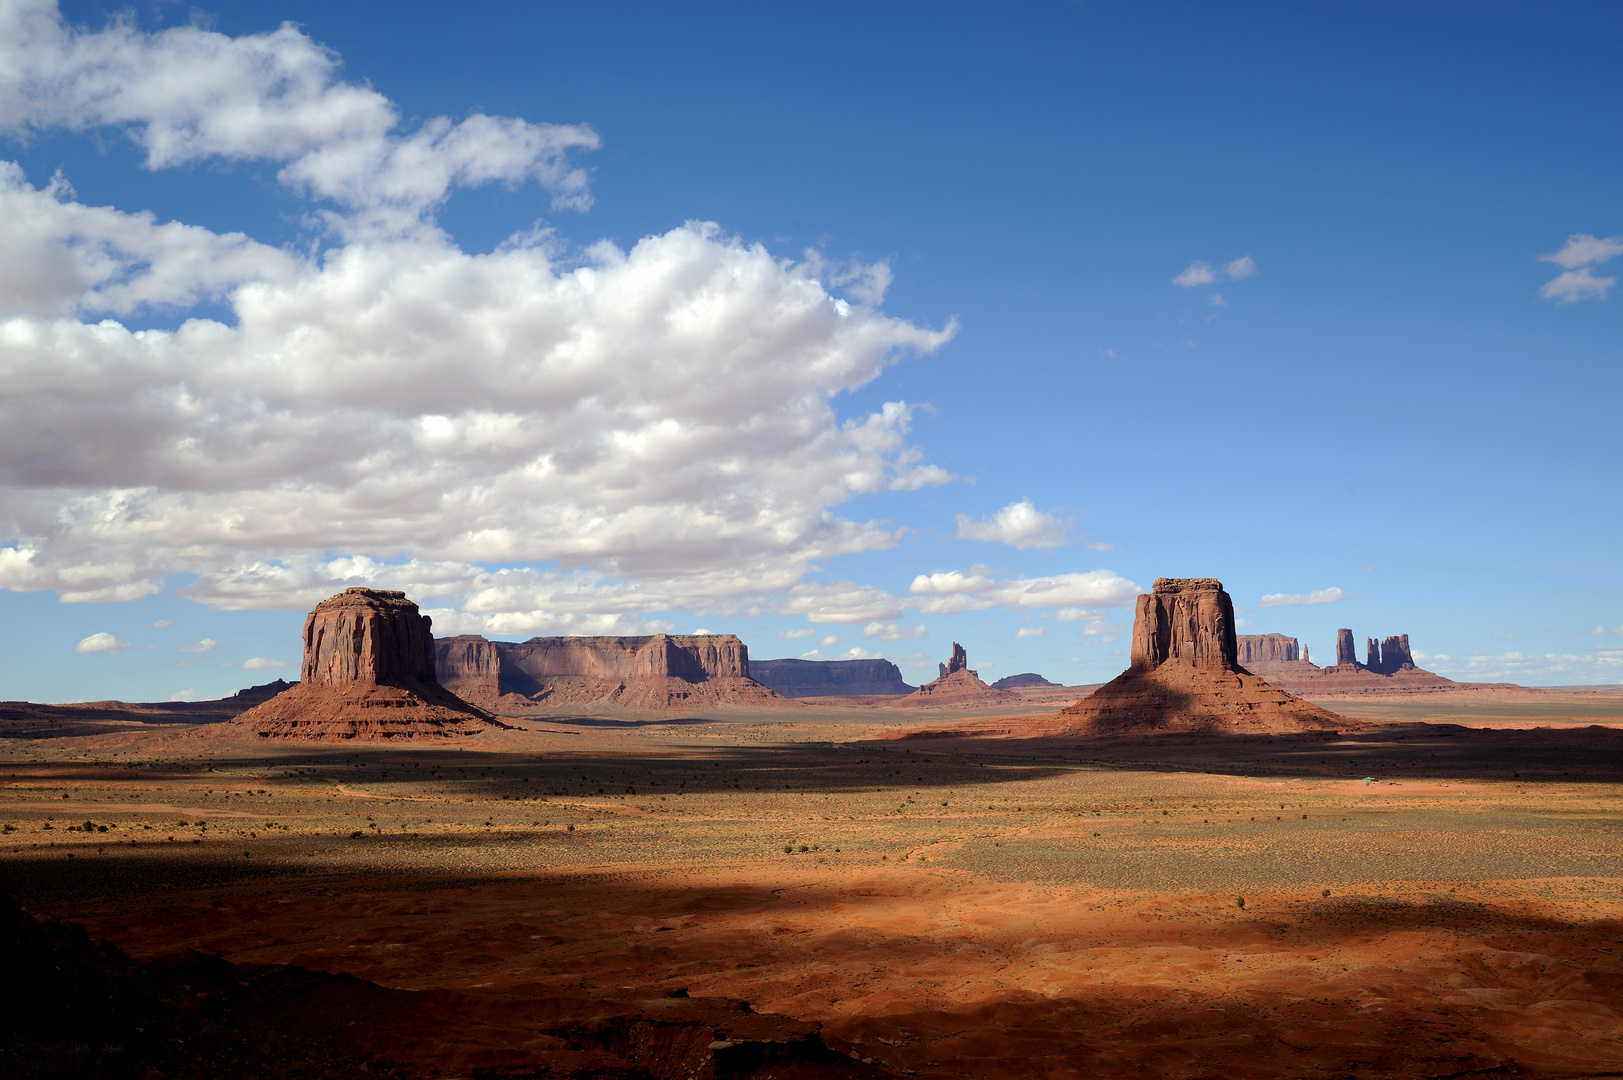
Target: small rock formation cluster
{"type": "Point", "coordinates": [1184, 675]}
{"type": "Point", "coordinates": [368, 672]}
{"type": "Point", "coordinates": [958, 686]}
{"type": "Point", "coordinates": [657, 671]}
{"type": "Point", "coordinates": [1389, 666]}
{"type": "Point", "coordinates": [830, 678]}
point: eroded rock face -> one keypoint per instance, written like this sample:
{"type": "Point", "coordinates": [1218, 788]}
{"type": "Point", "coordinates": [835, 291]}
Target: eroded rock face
{"type": "Point", "coordinates": [367, 636]}
{"type": "Point", "coordinates": [1252, 649]}
{"type": "Point", "coordinates": [1346, 651]}
{"type": "Point", "coordinates": [1390, 656]}
{"type": "Point", "coordinates": [368, 672]}
{"type": "Point", "coordinates": [1184, 620]}
{"type": "Point", "coordinates": [655, 671]}
{"type": "Point", "coordinates": [1184, 676]}
{"type": "Point", "coordinates": [959, 661]}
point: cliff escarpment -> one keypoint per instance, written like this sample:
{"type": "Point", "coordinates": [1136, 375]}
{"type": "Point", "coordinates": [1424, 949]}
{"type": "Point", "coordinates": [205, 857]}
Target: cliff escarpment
{"type": "Point", "coordinates": [656, 671]}
{"type": "Point", "coordinates": [831, 678]}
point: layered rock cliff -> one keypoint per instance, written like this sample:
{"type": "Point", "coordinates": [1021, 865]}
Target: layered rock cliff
{"type": "Point", "coordinates": [657, 671]}
{"type": "Point", "coordinates": [1184, 675]}
{"type": "Point", "coordinates": [830, 678]}
{"type": "Point", "coordinates": [368, 672]}
{"type": "Point", "coordinates": [1254, 649]}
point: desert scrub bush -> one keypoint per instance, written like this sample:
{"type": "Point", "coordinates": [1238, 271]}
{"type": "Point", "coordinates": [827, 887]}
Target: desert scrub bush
{"type": "Point", "coordinates": [1239, 902]}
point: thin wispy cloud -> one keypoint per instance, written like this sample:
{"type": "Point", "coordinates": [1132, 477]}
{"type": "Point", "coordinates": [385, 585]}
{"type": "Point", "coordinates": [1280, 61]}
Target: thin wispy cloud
{"type": "Point", "coordinates": [1202, 273]}
{"type": "Point", "coordinates": [1331, 595]}
{"type": "Point", "coordinates": [1577, 260]}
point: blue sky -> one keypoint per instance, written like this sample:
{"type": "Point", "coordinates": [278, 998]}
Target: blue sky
{"type": "Point", "coordinates": [1370, 397]}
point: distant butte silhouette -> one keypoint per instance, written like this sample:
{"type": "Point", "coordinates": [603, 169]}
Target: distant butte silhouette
{"type": "Point", "coordinates": [1184, 676]}
{"type": "Point", "coordinates": [368, 672]}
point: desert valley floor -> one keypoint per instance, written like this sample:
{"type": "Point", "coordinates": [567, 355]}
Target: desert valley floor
{"type": "Point", "coordinates": [1438, 897]}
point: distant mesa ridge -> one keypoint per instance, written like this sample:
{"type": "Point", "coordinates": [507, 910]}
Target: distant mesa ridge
{"type": "Point", "coordinates": [368, 672]}
{"type": "Point", "coordinates": [1022, 680]}
{"type": "Point", "coordinates": [1265, 648]}
{"type": "Point", "coordinates": [831, 678]}
{"type": "Point", "coordinates": [655, 671]}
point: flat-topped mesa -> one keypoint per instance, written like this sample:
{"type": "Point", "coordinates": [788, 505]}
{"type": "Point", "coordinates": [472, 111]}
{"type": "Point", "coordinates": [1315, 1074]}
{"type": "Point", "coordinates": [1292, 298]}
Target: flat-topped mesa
{"type": "Point", "coordinates": [368, 672]}
{"type": "Point", "coordinates": [654, 671]}
{"type": "Point", "coordinates": [1184, 620]}
{"type": "Point", "coordinates": [1184, 676]}
{"type": "Point", "coordinates": [831, 678]}
{"type": "Point", "coordinates": [1254, 649]}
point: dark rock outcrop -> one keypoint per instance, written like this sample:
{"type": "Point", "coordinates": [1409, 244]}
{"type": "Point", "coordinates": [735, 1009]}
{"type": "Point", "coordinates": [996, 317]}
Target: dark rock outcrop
{"type": "Point", "coordinates": [368, 671]}
{"type": "Point", "coordinates": [1024, 679]}
{"type": "Point", "coordinates": [657, 671]}
{"type": "Point", "coordinates": [1252, 649]}
{"type": "Point", "coordinates": [1183, 675]}
{"type": "Point", "coordinates": [959, 661]}
{"type": "Point", "coordinates": [1390, 656]}
{"type": "Point", "coordinates": [830, 678]}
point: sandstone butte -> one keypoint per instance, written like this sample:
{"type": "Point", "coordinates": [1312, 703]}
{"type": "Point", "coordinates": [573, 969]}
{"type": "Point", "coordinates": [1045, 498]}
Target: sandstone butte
{"type": "Point", "coordinates": [368, 672]}
{"type": "Point", "coordinates": [958, 686]}
{"type": "Point", "coordinates": [656, 671]}
{"type": "Point", "coordinates": [1184, 676]}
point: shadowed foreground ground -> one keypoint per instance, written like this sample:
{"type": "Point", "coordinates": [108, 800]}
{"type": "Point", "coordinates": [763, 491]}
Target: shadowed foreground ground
{"type": "Point", "coordinates": [998, 908]}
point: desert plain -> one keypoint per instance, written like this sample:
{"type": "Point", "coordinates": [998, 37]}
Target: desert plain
{"type": "Point", "coordinates": [1436, 896]}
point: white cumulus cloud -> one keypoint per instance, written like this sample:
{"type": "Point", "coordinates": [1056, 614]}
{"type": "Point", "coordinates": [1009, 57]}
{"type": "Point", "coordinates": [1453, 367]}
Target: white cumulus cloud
{"type": "Point", "coordinates": [953, 590]}
{"type": "Point", "coordinates": [101, 643]}
{"type": "Point", "coordinates": [893, 631]}
{"type": "Point", "coordinates": [1318, 596]}
{"type": "Point", "coordinates": [1020, 524]}
{"type": "Point", "coordinates": [207, 645]}
{"type": "Point", "coordinates": [551, 441]}
{"type": "Point", "coordinates": [260, 663]}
